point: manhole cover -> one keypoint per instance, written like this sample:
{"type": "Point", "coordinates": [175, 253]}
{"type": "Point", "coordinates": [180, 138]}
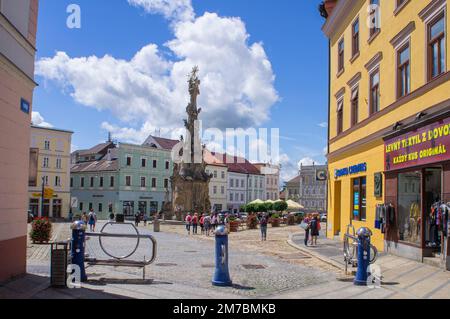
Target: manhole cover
{"type": "Point", "coordinates": [253, 267]}
{"type": "Point", "coordinates": [166, 265]}
{"type": "Point", "coordinates": [208, 266]}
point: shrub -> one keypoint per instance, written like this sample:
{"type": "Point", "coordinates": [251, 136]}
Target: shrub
{"type": "Point", "coordinates": [250, 208]}
{"type": "Point", "coordinates": [41, 230]}
{"type": "Point", "coordinates": [275, 216]}
{"type": "Point", "coordinates": [261, 208]}
{"type": "Point", "coordinates": [280, 206]}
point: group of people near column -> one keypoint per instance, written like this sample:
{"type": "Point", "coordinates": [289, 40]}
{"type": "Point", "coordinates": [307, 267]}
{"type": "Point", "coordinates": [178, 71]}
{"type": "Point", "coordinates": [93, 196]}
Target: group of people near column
{"type": "Point", "coordinates": [207, 223]}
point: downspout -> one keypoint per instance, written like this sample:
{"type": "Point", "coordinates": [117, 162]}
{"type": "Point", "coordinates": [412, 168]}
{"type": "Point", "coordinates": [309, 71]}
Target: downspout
{"type": "Point", "coordinates": [328, 129]}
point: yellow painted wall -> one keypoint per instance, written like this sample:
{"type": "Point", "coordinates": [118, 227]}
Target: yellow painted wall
{"type": "Point", "coordinates": [60, 146]}
{"type": "Point", "coordinates": [373, 154]}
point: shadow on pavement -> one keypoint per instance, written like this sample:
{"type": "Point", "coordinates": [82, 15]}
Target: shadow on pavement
{"type": "Point", "coordinates": [112, 281]}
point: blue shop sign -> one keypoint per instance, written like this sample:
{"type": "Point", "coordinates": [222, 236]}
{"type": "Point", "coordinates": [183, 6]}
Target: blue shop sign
{"type": "Point", "coordinates": [355, 169]}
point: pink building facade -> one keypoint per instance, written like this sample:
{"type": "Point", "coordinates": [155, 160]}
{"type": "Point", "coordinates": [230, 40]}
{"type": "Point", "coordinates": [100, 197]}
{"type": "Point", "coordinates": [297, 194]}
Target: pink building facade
{"type": "Point", "coordinates": [18, 25]}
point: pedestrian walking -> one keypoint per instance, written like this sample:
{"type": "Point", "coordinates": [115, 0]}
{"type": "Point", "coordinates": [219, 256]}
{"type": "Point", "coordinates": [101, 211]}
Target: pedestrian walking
{"type": "Point", "coordinates": [315, 229]}
{"type": "Point", "coordinates": [306, 225]}
{"type": "Point", "coordinates": [263, 225]}
{"type": "Point", "coordinates": [84, 218]}
{"type": "Point", "coordinates": [111, 217]}
{"type": "Point", "coordinates": [188, 222]}
{"type": "Point", "coordinates": [214, 221]}
{"type": "Point", "coordinates": [137, 218]}
{"type": "Point", "coordinates": [207, 224]}
{"type": "Point", "coordinates": [92, 220]}
{"type": "Point", "coordinates": [194, 224]}
{"type": "Point", "coordinates": [145, 220]}
{"type": "Point", "coordinates": [202, 224]}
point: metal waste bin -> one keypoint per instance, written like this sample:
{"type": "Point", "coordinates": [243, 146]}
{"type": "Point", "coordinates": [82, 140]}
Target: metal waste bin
{"type": "Point", "coordinates": [156, 225]}
{"type": "Point", "coordinates": [58, 264]}
{"type": "Point", "coordinates": [120, 218]}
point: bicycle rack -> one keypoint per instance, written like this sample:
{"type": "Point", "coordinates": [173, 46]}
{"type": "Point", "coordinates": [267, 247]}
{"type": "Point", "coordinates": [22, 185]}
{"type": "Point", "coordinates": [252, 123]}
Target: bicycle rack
{"type": "Point", "coordinates": [351, 249]}
{"type": "Point", "coordinates": [120, 261]}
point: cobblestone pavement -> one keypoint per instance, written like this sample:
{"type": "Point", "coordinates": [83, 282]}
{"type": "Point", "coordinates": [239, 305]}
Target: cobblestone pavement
{"type": "Point", "coordinates": [272, 269]}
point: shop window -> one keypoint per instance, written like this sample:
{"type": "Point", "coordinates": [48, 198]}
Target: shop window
{"type": "Point", "coordinates": [57, 208]}
{"type": "Point", "coordinates": [128, 208]}
{"type": "Point", "coordinates": [409, 206]}
{"type": "Point", "coordinates": [143, 207]}
{"type": "Point", "coordinates": [46, 211]}
{"type": "Point", "coordinates": [34, 206]}
{"type": "Point", "coordinates": [153, 207]}
{"type": "Point", "coordinates": [359, 199]}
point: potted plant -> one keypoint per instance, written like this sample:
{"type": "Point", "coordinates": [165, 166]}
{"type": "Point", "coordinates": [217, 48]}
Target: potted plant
{"type": "Point", "coordinates": [275, 220]}
{"type": "Point", "coordinates": [41, 231]}
{"type": "Point", "coordinates": [234, 224]}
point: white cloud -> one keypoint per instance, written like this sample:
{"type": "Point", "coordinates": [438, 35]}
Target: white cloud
{"type": "Point", "coordinates": [150, 90]}
{"type": "Point", "coordinates": [307, 161]}
{"type": "Point", "coordinates": [38, 120]}
{"type": "Point", "coordinates": [288, 168]}
{"type": "Point", "coordinates": [323, 125]}
{"type": "Point", "coordinates": [179, 10]}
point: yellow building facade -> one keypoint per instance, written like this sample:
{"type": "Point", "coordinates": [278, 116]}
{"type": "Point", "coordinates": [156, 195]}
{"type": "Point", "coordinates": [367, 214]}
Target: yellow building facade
{"type": "Point", "coordinates": [388, 78]}
{"type": "Point", "coordinates": [49, 170]}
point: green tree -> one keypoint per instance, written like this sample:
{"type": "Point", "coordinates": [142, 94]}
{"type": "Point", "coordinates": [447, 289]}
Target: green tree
{"type": "Point", "coordinates": [280, 206]}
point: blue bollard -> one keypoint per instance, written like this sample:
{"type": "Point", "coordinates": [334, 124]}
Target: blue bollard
{"type": "Point", "coordinates": [364, 235]}
{"type": "Point", "coordinates": [77, 247]}
{"type": "Point", "coordinates": [221, 274]}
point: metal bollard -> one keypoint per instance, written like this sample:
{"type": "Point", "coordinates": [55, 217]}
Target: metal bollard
{"type": "Point", "coordinates": [221, 274]}
{"type": "Point", "coordinates": [77, 247]}
{"type": "Point", "coordinates": [156, 225]}
{"type": "Point", "coordinates": [364, 235]}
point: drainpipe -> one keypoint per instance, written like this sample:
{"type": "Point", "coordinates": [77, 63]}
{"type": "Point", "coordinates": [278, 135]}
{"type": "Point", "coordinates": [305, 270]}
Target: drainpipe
{"type": "Point", "coordinates": [328, 137]}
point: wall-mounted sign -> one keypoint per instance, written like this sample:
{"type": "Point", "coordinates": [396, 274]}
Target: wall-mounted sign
{"type": "Point", "coordinates": [429, 144]}
{"type": "Point", "coordinates": [74, 202]}
{"type": "Point", "coordinates": [352, 170]}
{"type": "Point", "coordinates": [321, 175]}
{"type": "Point", "coordinates": [25, 106]}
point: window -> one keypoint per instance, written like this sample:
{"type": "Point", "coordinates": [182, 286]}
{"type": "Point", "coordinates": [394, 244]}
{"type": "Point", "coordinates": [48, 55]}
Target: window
{"type": "Point", "coordinates": [436, 46]}
{"type": "Point", "coordinates": [128, 181]}
{"type": "Point", "coordinates": [215, 174]}
{"type": "Point", "coordinates": [101, 181]}
{"type": "Point", "coordinates": [214, 189]}
{"type": "Point", "coordinates": [222, 190]}
{"type": "Point", "coordinates": [242, 183]}
{"type": "Point", "coordinates": [400, 2]}
{"type": "Point", "coordinates": [242, 197]}
{"type": "Point", "coordinates": [374, 17]}
{"type": "Point", "coordinates": [231, 182]}
{"type": "Point", "coordinates": [153, 182]}
{"type": "Point", "coordinates": [375, 92]}
{"type": "Point", "coordinates": [250, 182]}
{"type": "Point", "coordinates": [167, 165]}
{"type": "Point", "coordinates": [110, 208]}
{"type": "Point", "coordinates": [403, 71]}
{"type": "Point", "coordinates": [166, 183]}
{"type": "Point", "coordinates": [355, 38]}
{"type": "Point", "coordinates": [91, 206]}
{"type": "Point", "coordinates": [111, 181]}
{"type": "Point", "coordinates": [355, 106]}
{"type": "Point", "coordinates": [92, 182]}
{"type": "Point", "coordinates": [81, 206]}
{"type": "Point", "coordinates": [58, 163]}
{"type": "Point", "coordinates": [409, 202]}
{"type": "Point", "coordinates": [231, 197]}
{"type": "Point", "coordinates": [46, 162]}
{"type": "Point", "coordinates": [223, 175]}
{"type": "Point", "coordinates": [359, 199]}
{"type": "Point", "coordinates": [341, 55]}
{"type": "Point", "coordinates": [143, 162]}
{"type": "Point", "coordinates": [340, 119]}
{"type": "Point", "coordinates": [71, 182]}
{"type": "Point", "coordinates": [82, 182]}
{"type": "Point", "coordinates": [128, 160]}
{"type": "Point", "coordinates": [57, 181]}
{"type": "Point", "coordinates": [100, 207]}
{"type": "Point", "coordinates": [47, 145]}
{"type": "Point", "coordinates": [143, 182]}
{"type": "Point", "coordinates": [155, 164]}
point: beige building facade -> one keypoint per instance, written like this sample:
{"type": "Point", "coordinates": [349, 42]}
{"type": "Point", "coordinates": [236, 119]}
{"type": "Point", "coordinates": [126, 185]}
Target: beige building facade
{"type": "Point", "coordinates": [50, 169]}
{"type": "Point", "coordinates": [18, 23]}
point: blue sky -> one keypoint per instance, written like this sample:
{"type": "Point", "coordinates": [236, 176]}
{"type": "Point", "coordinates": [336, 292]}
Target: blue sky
{"type": "Point", "coordinates": [89, 96]}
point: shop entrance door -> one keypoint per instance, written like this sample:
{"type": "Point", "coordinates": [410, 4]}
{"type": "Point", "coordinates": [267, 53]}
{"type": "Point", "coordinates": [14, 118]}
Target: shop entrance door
{"type": "Point", "coordinates": [432, 199]}
{"type": "Point", "coordinates": [337, 208]}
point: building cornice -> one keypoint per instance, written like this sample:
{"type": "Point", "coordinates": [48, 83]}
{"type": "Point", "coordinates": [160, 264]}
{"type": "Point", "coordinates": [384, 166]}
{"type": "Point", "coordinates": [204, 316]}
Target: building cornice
{"type": "Point", "coordinates": [340, 12]}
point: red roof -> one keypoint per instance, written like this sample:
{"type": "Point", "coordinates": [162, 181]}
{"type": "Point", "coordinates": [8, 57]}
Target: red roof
{"type": "Point", "coordinates": [165, 143]}
{"type": "Point", "coordinates": [236, 164]}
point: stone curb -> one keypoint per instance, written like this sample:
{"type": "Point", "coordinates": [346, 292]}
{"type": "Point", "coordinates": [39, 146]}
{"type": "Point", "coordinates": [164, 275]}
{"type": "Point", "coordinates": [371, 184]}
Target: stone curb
{"type": "Point", "coordinates": [314, 254]}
